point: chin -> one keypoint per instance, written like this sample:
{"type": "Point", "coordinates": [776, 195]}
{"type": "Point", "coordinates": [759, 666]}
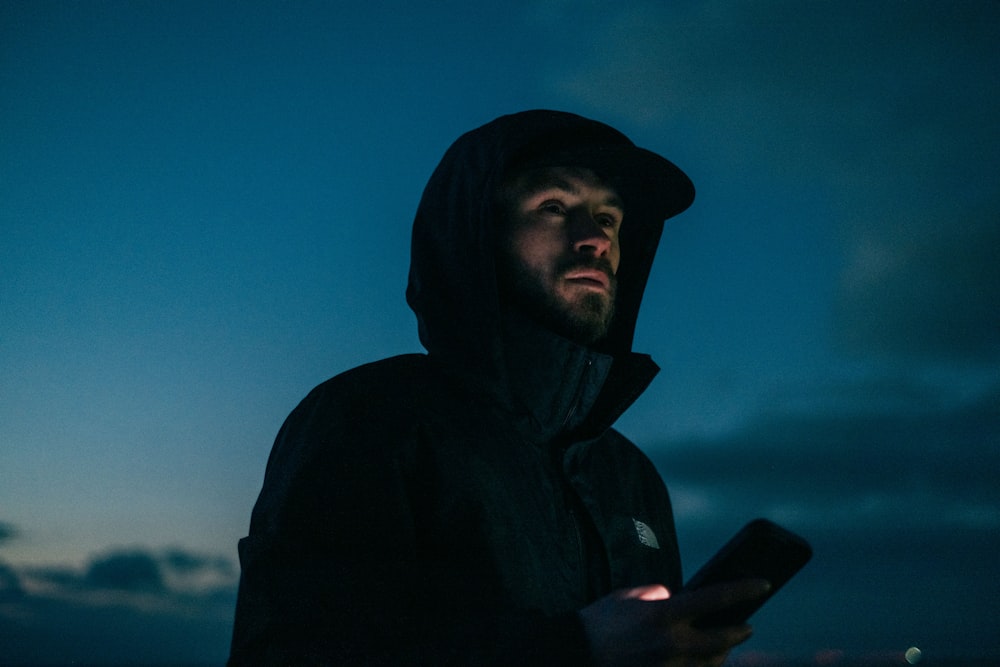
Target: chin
{"type": "Point", "coordinates": [585, 326]}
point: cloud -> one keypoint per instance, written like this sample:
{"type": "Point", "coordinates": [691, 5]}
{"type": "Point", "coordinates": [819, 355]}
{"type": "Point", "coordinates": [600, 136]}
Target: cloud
{"type": "Point", "coordinates": [925, 295]}
{"type": "Point", "coordinates": [7, 532]}
{"type": "Point", "coordinates": [185, 571]}
{"type": "Point", "coordinates": [127, 606]}
{"type": "Point", "coordinates": [871, 460]}
{"type": "Point", "coordinates": [183, 561]}
{"type": "Point", "coordinates": [128, 571]}
{"type": "Point", "coordinates": [780, 78]}
{"type": "Point", "coordinates": [895, 488]}
{"type": "Point", "coordinates": [10, 585]}
{"type": "Point", "coordinates": [127, 575]}
{"type": "Point", "coordinates": [888, 110]}
{"type": "Point", "coordinates": [883, 465]}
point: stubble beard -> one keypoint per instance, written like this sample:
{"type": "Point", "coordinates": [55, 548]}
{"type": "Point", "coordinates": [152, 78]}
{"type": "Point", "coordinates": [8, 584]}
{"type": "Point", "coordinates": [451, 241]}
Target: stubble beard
{"type": "Point", "coordinates": [585, 320]}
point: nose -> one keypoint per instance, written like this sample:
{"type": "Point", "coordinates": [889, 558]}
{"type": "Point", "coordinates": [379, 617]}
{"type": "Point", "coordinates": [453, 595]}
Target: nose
{"type": "Point", "coordinates": [587, 236]}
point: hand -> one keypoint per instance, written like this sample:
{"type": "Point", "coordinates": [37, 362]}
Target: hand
{"type": "Point", "coordinates": [646, 626]}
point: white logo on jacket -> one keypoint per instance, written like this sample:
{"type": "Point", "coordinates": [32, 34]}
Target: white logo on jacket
{"type": "Point", "coordinates": [646, 535]}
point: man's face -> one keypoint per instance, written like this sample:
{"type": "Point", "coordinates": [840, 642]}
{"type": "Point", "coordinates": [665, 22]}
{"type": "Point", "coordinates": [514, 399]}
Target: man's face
{"type": "Point", "coordinates": [558, 252]}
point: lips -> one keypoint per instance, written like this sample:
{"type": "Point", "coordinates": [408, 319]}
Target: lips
{"type": "Point", "coordinates": [593, 277]}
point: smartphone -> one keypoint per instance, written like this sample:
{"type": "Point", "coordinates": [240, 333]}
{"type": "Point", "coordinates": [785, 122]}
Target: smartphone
{"type": "Point", "coordinates": [761, 550]}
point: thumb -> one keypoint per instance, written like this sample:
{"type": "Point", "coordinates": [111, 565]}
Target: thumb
{"type": "Point", "coordinates": [649, 593]}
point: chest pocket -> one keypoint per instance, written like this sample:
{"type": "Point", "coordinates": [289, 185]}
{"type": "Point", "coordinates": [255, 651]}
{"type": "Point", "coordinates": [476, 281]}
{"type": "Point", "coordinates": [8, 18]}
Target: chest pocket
{"type": "Point", "coordinates": [635, 554]}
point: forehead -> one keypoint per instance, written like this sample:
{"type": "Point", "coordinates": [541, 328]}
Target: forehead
{"type": "Point", "coordinates": [574, 180]}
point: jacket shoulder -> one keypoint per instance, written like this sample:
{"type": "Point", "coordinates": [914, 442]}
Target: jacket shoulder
{"type": "Point", "coordinates": [350, 427]}
{"type": "Point", "coordinates": [383, 379]}
{"type": "Point", "coordinates": [376, 402]}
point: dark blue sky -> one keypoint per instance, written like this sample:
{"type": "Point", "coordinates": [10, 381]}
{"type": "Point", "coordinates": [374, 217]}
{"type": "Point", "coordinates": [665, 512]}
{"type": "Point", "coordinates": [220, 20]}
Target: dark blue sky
{"type": "Point", "coordinates": [205, 211]}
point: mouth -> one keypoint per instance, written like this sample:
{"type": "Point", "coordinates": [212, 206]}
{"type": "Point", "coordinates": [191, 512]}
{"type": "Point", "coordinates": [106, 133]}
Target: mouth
{"type": "Point", "coordinates": [594, 278]}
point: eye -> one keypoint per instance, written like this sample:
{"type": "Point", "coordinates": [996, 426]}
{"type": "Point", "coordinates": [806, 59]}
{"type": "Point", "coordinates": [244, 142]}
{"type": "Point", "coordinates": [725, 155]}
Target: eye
{"type": "Point", "coordinates": [552, 207]}
{"type": "Point", "coordinates": [606, 220]}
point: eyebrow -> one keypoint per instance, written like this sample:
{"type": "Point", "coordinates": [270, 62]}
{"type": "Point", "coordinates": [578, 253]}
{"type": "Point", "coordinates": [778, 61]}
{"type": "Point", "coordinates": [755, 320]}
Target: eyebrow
{"type": "Point", "coordinates": [548, 181]}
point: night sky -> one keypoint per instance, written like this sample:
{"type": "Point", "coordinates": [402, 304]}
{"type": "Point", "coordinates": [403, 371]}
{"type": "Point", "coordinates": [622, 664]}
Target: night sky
{"type": "Point", "coordinates": [205, 211]}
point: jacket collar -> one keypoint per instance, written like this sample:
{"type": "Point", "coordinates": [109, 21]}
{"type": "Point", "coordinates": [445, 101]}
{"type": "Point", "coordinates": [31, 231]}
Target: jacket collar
{"type": "Point", "coordinates": [558, 389]}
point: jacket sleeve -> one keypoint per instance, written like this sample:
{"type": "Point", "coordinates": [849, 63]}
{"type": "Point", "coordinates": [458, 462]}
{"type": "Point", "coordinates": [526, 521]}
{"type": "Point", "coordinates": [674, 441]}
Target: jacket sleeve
{"type": "Point", "coordinates": [330, 572]}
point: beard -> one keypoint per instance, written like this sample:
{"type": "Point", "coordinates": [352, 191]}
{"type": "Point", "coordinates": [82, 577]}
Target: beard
{"type": "Point", "coordinates": [585, 319]}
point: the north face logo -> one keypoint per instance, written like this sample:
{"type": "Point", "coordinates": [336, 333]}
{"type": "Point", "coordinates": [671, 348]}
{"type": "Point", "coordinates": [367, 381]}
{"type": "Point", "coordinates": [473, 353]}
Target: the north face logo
{"type": "Point", "coordinates": [646, 534]}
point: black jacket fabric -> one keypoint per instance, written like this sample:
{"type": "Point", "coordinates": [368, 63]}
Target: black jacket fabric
{"type": "Point", "coordinates": [458, 507]}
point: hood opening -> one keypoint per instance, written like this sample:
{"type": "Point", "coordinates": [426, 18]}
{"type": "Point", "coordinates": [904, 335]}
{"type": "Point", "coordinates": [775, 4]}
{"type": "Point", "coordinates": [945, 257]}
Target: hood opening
{"type": "Point", "coordinates": [452, 283]}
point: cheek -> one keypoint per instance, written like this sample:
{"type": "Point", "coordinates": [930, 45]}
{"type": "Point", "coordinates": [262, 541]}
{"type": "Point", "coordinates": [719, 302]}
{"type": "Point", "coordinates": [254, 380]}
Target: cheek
{"type": "Point", "coordinates": [533, 248]}
{"type": "Point", "coordinates": [615, 256]}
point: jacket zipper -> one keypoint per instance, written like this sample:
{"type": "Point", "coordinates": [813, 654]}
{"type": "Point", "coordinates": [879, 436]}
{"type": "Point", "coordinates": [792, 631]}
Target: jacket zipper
{"type": "Point", "coordinates": [569, 494]}
{"type": "Point", "coordinates": [579, 393]}
{"type": "Point", "coordinates": [573, 504]}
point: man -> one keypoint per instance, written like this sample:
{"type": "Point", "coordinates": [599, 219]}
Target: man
{"type": "Point", "coordinates": [473, 506]}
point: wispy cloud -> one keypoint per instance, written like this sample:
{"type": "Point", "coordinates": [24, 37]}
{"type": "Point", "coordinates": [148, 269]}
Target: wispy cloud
{"type": "Point", "coordinates": [7, 532]}
{"type": "Point", "coordinates": [926, 295]}
{"type": "Point", "coordinates": [873, 463]}
{"type": "Point", "coordinates": [889, 109]}
{"type": "Point", "coordinates": [897, 495]}
{"type": "Point", "coordinates": [135, 606]}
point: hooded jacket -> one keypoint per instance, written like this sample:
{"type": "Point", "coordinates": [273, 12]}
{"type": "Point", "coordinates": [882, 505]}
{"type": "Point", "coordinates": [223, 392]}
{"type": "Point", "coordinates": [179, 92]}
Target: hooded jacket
{"type": "Point", "coordinates": [459, 507]}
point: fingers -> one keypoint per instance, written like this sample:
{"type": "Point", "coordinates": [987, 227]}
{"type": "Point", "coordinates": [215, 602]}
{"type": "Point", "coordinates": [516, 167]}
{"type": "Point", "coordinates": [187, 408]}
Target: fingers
{"type": "Point", "coordinates": [649, 593]}
{"type": "Point", "coordinates": [645, 625]}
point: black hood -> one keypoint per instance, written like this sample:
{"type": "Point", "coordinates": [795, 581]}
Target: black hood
{"type": "Point", "coordinates": [452, 283]}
